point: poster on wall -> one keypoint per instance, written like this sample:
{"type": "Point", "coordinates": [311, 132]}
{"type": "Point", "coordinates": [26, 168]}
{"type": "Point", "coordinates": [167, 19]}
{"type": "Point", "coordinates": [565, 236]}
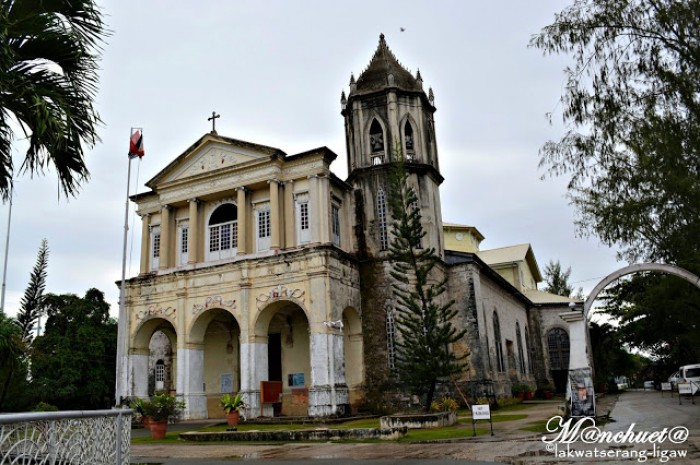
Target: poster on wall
{"type": "Point", "coordinates": [295, 379]}
{"type": "Point", "coordinates": [582, 393]}
{"type": "Point", "coordinates": [226, 383]}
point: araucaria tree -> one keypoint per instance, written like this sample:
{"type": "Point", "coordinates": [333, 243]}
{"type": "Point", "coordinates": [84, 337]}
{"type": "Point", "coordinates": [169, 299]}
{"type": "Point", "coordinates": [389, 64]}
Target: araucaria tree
{"type": "Point", "coordinates": [30, 304]}
{"type": "Point", "coordinates": [48, 80]}
{"type": "Point", "coordinates": [424, 354]}
{"type": "Point", "coordinates": [632, 110]}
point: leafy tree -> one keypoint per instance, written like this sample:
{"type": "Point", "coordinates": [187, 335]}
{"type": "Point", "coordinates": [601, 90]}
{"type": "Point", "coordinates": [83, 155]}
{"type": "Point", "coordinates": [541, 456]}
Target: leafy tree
{"type": "Point", "coordinates": [30, 304]}
{"type": "Point", "coordinates": [632, 111]}
{"type": "Point", "coordinates": [557, 280]}
{"type": "Point", "coordinates": [423, 350]}
{"type": "Point", "coordinates": [12, 364]}
{"type": "Point", "coordinates": [49, 55]}
{"type": "Point", "coordinates": [73, 362]}
{"type": "Point", "coordinates": [668, 328]}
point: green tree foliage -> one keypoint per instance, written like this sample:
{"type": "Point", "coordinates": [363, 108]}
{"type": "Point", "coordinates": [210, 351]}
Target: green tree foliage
{"type": "Point", "coordinates": [610, 358]}
{"type": "Point", "coordinates": [631, 106]}
{"type": "Point", "coordinates": [423, 350]}
{"type": "Point", "coordinates": [30, 304]}
{"type": "Point", "coordinates": [49, 55]}
{"type": "Point", "coordinates": [13, 369]}
{"type": "Point", "coordinates": [650, 321]}
{"type": "Point", "coordinates": [73, 362]}
{"type": "Point", "coordinates": [557, 280]}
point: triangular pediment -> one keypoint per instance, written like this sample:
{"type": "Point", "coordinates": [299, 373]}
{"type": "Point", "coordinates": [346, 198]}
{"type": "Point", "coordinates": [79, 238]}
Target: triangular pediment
{"type": "Point", "coordinates": [209, 154]}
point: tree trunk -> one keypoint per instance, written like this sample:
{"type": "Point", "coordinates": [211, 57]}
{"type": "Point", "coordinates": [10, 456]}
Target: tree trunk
{"type": "Point", "coordinates": [431, 393]}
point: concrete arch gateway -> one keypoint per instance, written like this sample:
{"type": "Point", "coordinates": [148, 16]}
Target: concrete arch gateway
{"type": "Point", "coordinates": [637, 268]}
{"type": "Point", "coordinates": [580, 392]}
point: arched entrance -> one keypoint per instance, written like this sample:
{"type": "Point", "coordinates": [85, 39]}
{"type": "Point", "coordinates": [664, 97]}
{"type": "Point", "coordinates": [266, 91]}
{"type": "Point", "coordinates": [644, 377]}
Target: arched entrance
{"type": "Point", "coordinates": [153, 341]}
{"type": "Point", "coordinates": [284, 327]}
{"type": "Point", "coordinates": [216, 333]}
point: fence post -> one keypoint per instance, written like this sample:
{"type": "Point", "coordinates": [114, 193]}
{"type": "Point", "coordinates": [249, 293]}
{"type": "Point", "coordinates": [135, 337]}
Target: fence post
{"type": "Point", "coordinates": [119, 438]}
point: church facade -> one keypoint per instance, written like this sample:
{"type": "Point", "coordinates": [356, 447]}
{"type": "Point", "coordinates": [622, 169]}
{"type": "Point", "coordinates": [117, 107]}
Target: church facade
{"type": "Point", "coordinates": [260, 268]}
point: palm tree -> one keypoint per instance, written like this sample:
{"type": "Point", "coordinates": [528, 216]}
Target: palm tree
{"type": "Point", "coordinates": [48, 80]}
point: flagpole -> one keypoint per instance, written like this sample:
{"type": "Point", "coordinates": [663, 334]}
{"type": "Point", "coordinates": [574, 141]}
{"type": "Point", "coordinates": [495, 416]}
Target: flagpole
{"type": "Point", "coordinates": [122, 336]}
{"type": "Point", "coordinates": [122, 328]}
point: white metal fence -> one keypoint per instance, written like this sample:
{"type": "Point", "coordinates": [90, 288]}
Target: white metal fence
{"type": "Point", "coordinates": [100, 437]}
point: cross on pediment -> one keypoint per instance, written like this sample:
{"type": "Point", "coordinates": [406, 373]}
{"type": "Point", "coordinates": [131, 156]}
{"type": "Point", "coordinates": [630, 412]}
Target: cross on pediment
{"type": "Point", "coordinates": [212, 118]}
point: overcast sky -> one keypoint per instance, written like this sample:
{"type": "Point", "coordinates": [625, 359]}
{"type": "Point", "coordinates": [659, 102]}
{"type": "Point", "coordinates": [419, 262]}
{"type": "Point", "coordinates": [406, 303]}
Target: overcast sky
{"type": "Point", "coordinates": [274, 71]}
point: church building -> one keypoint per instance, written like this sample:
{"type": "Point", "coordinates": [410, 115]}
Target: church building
{"type": "Point", "coordinates": [263, 272]}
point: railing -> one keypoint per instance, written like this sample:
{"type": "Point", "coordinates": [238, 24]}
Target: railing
{"type": "Point", "coordinates": [100, 437]}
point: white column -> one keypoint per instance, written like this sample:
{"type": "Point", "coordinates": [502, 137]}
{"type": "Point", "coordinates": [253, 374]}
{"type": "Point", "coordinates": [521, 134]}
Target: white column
{"type": "Point", "coordinates": [190, 382]}
{"type": "Point", "coordinates": [578, 358]}
{"type": "Point", "coordinates": [253, 370]}
{"type": "Point", "coordinates": [328, 394]}
{"type": "Point", "coordinates": [138, 364]}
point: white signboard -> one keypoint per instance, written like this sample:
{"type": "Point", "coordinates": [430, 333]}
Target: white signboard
{"type": "Point", "coordinates": [481, 412]}
{"type": "Point", "coordinates": [666, 387]}
{"type": "Point", "coordinates": [684, 388]}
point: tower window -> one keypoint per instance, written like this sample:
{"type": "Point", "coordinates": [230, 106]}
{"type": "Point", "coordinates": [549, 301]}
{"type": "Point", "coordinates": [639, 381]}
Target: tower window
{"type": "Point", "coordinates": [335, 224]}
{"type": "Point", "coordinates": [408, 141]}
{"type": "Point", "coordinates": [376, 142]}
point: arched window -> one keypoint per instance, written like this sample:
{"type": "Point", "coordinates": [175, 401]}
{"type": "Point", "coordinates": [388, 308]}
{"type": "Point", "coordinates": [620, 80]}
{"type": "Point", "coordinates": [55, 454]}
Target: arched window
{"type": "Point", "coordinates": [527, 349]}
{"type": "Point", "coordinates": [382, 220]}
{"type": "Point", "coordinates": [223, 232]}
{"type": "Point", "coordinates": [558, 344]}
{"type": "Point", "coordinates": [376, 142]}
{"type": "Point", "coordinates": [521, 354]}
{"type": "Point", "coordinates": [160, 374]}
{"type": "Point", "coordinates": [499, 343]}
{"type": "Point", "coordinates": [408, 141]}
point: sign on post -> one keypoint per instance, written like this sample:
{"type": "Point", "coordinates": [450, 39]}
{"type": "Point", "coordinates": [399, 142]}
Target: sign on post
{"type": "Point", "coordinates": [666, 387]}
{"type": "Point", "coordinates": [481, 412]}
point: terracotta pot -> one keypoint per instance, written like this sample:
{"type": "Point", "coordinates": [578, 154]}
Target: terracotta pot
{"type": "Point", "coordinates": [529, 395]}
{"type": "Point", "coordinates": [158, 428]}
{"type": "Point", "coordinates": [146, 421]}
{"type": "Point", "coordinates": [520, 395]}
{"type": "Point", "coordinates": [233, 417]}
{"type": "Point", "coordinates": [548, 394]}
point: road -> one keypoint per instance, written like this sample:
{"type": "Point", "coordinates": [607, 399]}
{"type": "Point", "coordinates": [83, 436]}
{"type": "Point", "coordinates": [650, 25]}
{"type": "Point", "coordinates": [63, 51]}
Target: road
{"type": "Point", "coordinates": [644, 412]}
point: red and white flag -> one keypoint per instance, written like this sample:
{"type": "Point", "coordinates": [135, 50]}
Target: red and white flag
{"type": "Point", "coordinates": [136, 143]}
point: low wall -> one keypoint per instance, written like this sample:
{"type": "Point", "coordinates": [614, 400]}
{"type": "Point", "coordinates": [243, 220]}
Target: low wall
{"type": "Point", "coordinates": [426, 420]}
{"type": "Point", "coordinates": [297, 435]}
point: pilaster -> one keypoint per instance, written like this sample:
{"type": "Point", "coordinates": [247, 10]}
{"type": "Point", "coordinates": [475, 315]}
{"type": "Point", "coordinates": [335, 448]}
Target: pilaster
{"type": "Point", "coordinates": [242, 220]}
{"type": "Point", "coordinates": [289, 223]}
{"type": "Point", "coordinates": [165, 237]}
{"type": "Point", "coordinates": [274, 215]}
{"type": "Point", "coordinates": [193, 233]}
{"type": "Point", "coordinates": [145, 242]}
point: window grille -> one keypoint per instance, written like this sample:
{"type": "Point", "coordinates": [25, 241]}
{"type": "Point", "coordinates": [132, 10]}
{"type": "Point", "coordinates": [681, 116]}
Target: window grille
{"type": "Point", "coordinates": [382, 219]}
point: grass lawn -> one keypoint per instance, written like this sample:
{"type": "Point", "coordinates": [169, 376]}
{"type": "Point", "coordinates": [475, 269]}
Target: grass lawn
{"type": "Point", "coordinates": [463, 428]}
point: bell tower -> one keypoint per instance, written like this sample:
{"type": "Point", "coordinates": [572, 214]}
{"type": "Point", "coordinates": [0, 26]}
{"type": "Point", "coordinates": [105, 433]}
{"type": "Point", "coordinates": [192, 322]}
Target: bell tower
{"type": "Point", "coordinates": [388, 115]}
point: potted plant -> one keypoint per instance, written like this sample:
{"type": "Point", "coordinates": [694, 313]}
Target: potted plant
{"type": "Point", "coordinates": [232, 406]}
{"type": "Point", "coordinates": [517, 391]}
{"type": "Point", "coordinates": [160, 409]}
{"type": "Point", "coordinates": [547, 391]}
{"type": "Point", "coordinates": [529, 395]}
{"type": "Point", "coordinates": [138, 405]}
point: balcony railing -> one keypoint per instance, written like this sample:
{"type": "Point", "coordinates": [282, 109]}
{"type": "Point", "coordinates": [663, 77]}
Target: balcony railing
{"type": "Point", "coordinates": [99, 437]}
